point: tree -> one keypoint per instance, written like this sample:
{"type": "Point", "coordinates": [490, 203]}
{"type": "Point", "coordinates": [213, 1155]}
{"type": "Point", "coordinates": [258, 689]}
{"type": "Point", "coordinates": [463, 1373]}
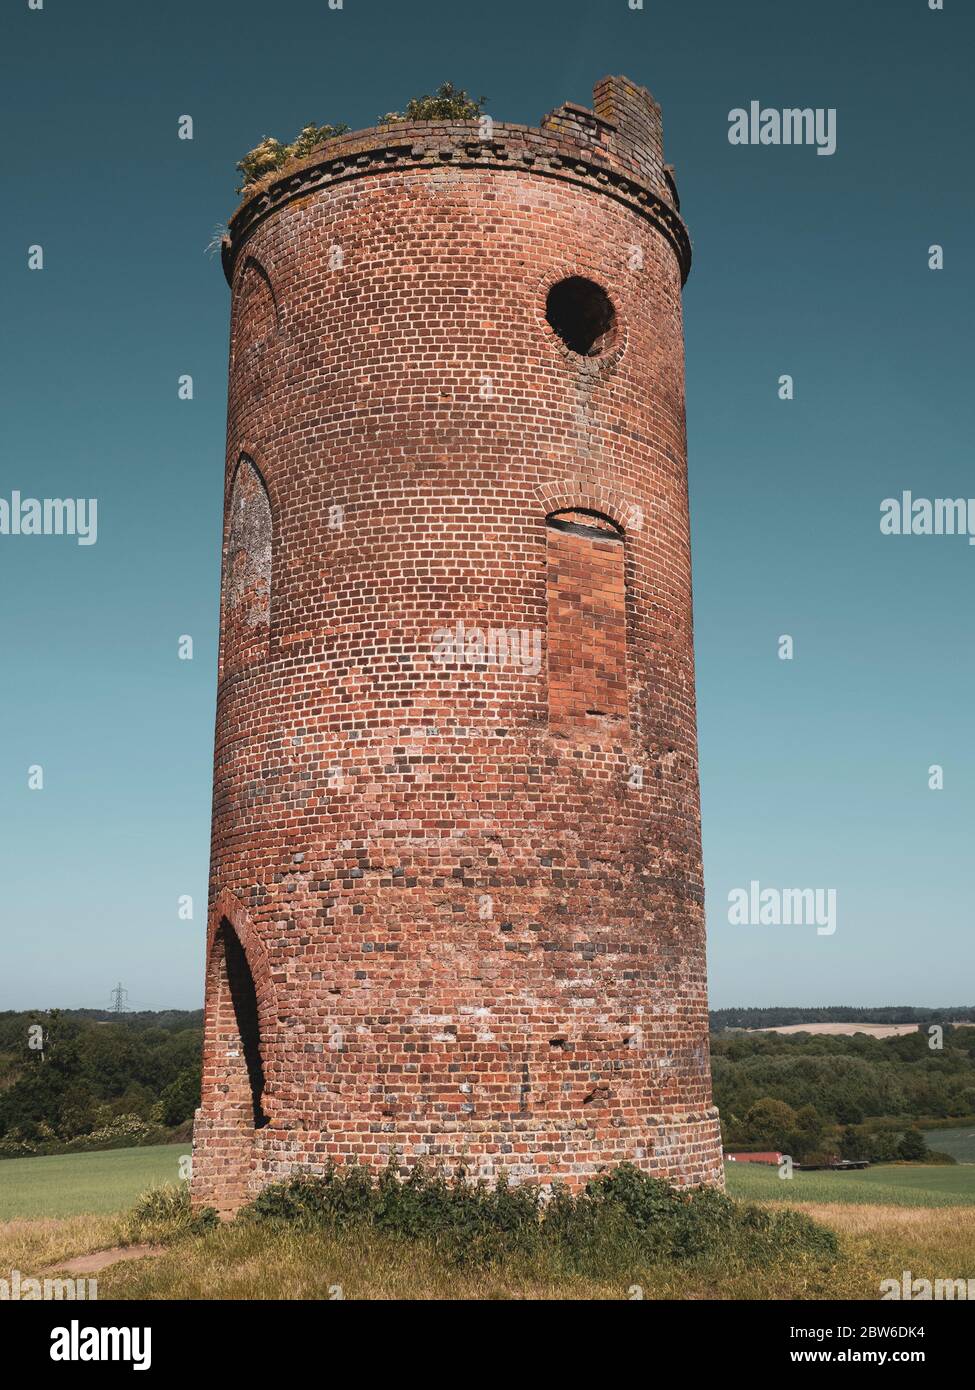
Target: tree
{"type": "Point", "coordinates": [852, 1146]}
{"type": "Point", "coordinates": [809, 1132]}
{"type": "Point", "coordinates": [770, 1124]}
{"type": "Point", "coordinates": [913, 1147]}
{"type": "Point", "coordinates": [180, 1098]}
{"type": "Point", "coordinates": [882, 1147]}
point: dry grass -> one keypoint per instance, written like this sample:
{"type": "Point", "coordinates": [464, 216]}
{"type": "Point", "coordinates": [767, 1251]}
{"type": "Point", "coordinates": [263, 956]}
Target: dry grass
{"type": "Point", "coordinates": [257, 1264]}
{"type": "Point", "coordinates": [878, 1242]}
{"type": "Point", "coordinates": [34, 1245]}
{"type": "Point", "coordinates": [939, 1221]}
{"type": "Point", "coordinates": [931, 1242]}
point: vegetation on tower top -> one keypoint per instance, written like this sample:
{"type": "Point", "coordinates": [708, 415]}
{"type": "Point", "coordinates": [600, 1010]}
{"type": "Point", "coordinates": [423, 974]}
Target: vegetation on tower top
{"type": "Point", "coordinates": [448, 103]}
{"type": "Point", "coordinates": [271, 154]}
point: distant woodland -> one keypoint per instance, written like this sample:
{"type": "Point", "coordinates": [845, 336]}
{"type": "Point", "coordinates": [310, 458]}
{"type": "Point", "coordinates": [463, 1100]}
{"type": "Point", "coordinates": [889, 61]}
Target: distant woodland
{"type": "Point", "coordinates": [75, 1079]}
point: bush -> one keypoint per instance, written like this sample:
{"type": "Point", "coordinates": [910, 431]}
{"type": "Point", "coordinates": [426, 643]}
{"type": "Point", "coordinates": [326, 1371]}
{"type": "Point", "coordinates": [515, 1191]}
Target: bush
{"type": "Point", "coordinates": [449, 103]}
{"type": "Point", "coordinates": [120, 1132]}
{"type": "Point", "coordinates": [620, 1219]}
{"type": "Point", "coordinates": [882, 1147]}
{"type": "Point", "coordinates": [270, 154]}
{"type": "Point", "coordinates": [180, 1098]}
{"type": "Point", "coordinates": [164, 1214]}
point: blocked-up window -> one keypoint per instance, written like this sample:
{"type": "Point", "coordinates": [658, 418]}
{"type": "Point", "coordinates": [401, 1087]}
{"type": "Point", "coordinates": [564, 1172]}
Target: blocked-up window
{"type": "Point", "coordinates": [247, 573]}
{"type": "Point", "coordinates": [586, 578]}
{"type": "Point", "coordinates": [255, 317]}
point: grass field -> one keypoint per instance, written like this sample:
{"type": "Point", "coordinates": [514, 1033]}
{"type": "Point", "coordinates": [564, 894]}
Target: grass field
{"type": "Point", "coordinates": [888, 1219]}
{"type": "Point", "coordinates": [877, 1242]}
{"type": "Point", "coordinates": [71, 1184]}
{"type": "Point", "coordinates": [889, 1184]}
{"type": "Point", "coordinates": [960, 1143]}
{"type": "Point", "coordinates": [102, 1183]}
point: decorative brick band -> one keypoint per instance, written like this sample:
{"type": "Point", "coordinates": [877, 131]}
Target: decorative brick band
{"type": "Point", "coordinates": [433, 145]}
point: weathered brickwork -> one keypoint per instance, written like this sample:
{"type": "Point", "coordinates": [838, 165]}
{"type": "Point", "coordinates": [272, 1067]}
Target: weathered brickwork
{"type": "Point", "coordinates": [586, 627]}
{"type": "Point", "coordinates": [456, 903]}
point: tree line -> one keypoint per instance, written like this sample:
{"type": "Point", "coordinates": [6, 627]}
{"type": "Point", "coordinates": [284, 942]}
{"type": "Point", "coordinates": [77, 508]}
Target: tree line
{"type": "Point", "coordinates": [88, 1078]}
{"type": "Point", "coordinates": [821, 1096]}
{"type": "Point", "coordinates": [85, 1078]}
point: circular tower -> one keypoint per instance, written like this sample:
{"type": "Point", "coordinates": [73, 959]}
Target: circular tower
{"type": "Point", "coordinates": [456, 902]}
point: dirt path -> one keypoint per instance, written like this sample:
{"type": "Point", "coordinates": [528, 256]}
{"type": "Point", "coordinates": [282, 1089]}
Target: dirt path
{"type": "Point", "coordinates": [101, 1259]}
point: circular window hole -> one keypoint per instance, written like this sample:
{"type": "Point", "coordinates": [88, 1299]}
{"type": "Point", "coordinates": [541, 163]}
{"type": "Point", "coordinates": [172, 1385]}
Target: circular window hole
{"type": "Point", "coordinates": [582, 314]}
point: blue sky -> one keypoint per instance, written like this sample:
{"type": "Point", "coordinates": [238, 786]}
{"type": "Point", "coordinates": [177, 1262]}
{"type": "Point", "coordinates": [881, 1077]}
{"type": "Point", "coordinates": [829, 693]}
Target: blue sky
{"type": "Point", "coordinates": [814, 772]}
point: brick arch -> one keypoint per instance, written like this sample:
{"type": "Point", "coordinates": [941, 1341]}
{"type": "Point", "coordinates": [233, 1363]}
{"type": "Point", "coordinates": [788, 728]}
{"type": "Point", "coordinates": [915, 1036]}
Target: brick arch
{"type": "Point", "coordinates": [229, 908]}
{"type": "Point", "coordinates": [247, 449]}
{"type": "Point", "coordinates": [228, 912]}
{"type": "Point", "coordinates": [256, 339]}
{"type": "Point", "coordinates": [256, 299]}
{"type": "Point", "coordinates": [585, 270]}
{"type": "Point", "coordinates": [587, 517]}
{"type": "Point", "coordinates": [586, 495]}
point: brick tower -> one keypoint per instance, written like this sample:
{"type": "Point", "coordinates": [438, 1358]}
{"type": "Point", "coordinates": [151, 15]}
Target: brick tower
{"type": "Point", "coordinates": [456, 902]}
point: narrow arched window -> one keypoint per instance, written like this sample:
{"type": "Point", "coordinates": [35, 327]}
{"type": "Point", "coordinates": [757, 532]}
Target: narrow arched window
{"type": "Point", "coordinates": [586, 582]}
{"type": "Point", "coordinates": [247, 570]}
{"type": "Point", "coordinates": [235, 1032]}
{"type": "Point", "coordinates": [255, 322]}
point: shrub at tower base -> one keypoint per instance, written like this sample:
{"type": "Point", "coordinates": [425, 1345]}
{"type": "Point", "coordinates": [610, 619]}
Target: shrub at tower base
{"type": "Point", "coordinates": [622, 1220]}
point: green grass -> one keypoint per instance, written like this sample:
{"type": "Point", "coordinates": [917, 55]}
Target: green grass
{"type": "Point", "coordinates": [888, 1219]}
{"type": "Point", "coordinates": [889, 1184]}
{"type": "Point", "coordinates": [71, 1184]}
{"type": "Point", "coordinates": [960, 1143]}
{"type": "Point", "coordinates": [254, 1262]}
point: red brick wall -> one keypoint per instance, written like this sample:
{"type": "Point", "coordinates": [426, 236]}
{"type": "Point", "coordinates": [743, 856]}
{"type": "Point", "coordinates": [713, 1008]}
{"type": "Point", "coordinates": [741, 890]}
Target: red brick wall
{"type": "Point", "coordinates": [475, 925]}
{"type": "Point", "coordinates": [586, 631]}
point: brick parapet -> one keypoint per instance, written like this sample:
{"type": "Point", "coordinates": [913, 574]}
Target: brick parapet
{"type": "Point", "coordinates": [619, 153]}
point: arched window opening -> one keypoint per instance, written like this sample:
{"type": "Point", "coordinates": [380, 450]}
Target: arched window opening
{"type": "Point", "coordinates": [586, 588]}
{"type": "Point", "coordinates": [237, 1028]}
